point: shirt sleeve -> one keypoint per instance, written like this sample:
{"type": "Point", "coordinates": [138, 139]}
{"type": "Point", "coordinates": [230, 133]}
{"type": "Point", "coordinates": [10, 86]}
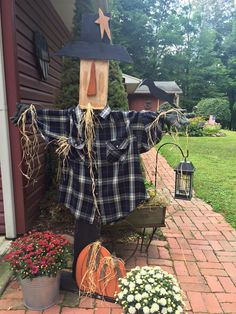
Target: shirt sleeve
{"type": "Point", "coordinates": [53, 124]}
{"type": "Point", "coordinates": [146, 128]}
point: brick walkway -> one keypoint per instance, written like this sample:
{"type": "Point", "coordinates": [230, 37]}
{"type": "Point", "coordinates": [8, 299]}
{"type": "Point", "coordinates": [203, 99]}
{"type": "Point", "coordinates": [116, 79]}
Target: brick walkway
{"type": "Point", "coordinates": [200, 250]}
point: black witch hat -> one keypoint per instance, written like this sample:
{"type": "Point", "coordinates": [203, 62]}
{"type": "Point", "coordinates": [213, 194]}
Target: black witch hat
{"type": "Point", "coordinates": [95, 41]}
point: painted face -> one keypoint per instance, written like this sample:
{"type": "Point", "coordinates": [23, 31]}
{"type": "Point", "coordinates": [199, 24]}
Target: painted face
{"type": "Point", "coordinates": [93, 83]}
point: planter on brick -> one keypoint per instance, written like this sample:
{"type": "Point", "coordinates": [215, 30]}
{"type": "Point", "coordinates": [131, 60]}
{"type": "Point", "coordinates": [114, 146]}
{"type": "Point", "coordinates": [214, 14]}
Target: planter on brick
{"type": "Point", "coordinates": [149, 214]}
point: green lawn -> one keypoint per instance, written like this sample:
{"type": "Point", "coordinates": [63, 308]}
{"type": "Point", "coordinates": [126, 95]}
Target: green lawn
{"type": "Point", "coordinates": [215, 175]}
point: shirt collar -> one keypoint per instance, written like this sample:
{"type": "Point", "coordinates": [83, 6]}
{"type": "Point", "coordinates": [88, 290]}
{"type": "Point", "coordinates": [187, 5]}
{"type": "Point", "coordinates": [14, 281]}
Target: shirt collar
{"type": "Point", "coordinates": [102, 113]}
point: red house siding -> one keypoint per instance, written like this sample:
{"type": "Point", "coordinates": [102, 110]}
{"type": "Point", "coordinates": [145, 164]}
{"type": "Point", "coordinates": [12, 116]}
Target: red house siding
{"type": "Point", "coordinates": [139, 102]}
{"type": "Point", "coordinates": [34, 15]}
{"type": "Point", "coordinates": [142, 102]}
{"type": "Point", "coordinates": [21, 18]}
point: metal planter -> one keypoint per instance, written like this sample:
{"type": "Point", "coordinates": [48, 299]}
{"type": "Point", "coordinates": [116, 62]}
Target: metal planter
{"type": "Point", "coordinates": [40, 293]}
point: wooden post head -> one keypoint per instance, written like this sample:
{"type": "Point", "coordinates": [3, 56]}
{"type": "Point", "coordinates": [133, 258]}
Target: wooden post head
{"type": "Point", "coordinates": [93, 83]}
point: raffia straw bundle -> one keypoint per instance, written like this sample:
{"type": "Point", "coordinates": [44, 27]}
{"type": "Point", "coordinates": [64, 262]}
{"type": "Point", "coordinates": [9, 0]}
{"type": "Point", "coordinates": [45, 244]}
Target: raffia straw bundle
{"type": "Point", "coordinates": [88, 281]}
{"type": "Point", "coordinates": [157, 120]}
{"type": "Point", "coordinates": [29, 141]}
{"type": "Point", "coordinates": [99, 269]}
{"type": "Point", "coordinates": [88, 124]}
{"type": "Point", "coordinates": [109, 270]}
{"type": "Point", "coordinates": [63, 149]}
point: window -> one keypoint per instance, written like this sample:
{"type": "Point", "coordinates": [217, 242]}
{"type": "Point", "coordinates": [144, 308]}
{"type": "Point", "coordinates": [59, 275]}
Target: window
{"type": "Point", "coordinates": [148, 105]}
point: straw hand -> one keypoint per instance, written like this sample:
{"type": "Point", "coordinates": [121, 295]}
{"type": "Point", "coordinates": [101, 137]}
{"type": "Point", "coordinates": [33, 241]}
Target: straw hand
{"type": "Point", "coordinates": [20, 108]}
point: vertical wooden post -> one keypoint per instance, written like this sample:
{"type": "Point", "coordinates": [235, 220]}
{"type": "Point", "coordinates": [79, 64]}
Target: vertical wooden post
{"type": "Point", "coordinates": [92, 86]}
{"type": "Point", "coordinates": [94, 75]}
{"type": "Point", "coordinates": [7, 8]}
{"type": "Point", "coordinates": [102, 4]}
{"type": "Point", "coordinates": [98, 100]}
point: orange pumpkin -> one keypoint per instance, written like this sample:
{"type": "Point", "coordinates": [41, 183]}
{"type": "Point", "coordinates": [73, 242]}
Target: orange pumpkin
{"type": "Point", "coordinates": [97, 271]}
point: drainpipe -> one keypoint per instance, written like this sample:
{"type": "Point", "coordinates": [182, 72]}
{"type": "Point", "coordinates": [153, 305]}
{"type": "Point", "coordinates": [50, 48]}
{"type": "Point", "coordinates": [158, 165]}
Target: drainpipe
{"type": "Point", "coordinates": [5, 154]}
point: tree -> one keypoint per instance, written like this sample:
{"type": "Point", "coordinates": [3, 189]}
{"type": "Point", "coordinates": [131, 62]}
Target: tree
{"type": "Point", "coordinates": [219, 107]}
{"type": "Point", "coordinates": [117, 96]}
{"type": "Point", "coordinates": [229, 58]}
{"type": "Point", "coordinates": [69, 91]}
{"type": "Point", "coordinates": [140, 26]}
{"type": "Point", "coordinates": [190, 42]}
{"type": "Point", "coordinates": [197, 64]}
{"type": "Point", "coordinates": [88, 6]}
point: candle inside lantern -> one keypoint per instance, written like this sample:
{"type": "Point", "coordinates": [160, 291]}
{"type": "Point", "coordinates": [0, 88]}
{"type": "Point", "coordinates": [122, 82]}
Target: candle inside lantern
{"type": "Point", "coordinates": [183, 180]}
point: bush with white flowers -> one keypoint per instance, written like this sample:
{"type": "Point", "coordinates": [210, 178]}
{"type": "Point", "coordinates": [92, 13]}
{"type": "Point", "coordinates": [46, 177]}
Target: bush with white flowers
{"type": "Point", "coordinates": [150, 290]}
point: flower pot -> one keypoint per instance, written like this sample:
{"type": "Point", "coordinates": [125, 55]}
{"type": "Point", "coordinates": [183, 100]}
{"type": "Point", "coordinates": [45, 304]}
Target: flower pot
{"type": "Point", "coordinates": [40, 293]}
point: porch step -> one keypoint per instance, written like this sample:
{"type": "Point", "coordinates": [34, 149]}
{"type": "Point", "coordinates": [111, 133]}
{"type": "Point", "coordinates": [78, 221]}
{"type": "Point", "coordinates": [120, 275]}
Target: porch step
{"type": "Point", "coordinates": [5, 272]}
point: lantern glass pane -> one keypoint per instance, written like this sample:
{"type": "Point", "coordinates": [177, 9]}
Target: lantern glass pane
{"type": "Point", "coordinates": [183, 184]}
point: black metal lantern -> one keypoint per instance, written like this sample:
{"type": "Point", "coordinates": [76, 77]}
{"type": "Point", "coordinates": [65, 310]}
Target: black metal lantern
{"type": "Point", "coordinates": [184, 180]}
{"type": "Point", "coordinates": [183, 175]}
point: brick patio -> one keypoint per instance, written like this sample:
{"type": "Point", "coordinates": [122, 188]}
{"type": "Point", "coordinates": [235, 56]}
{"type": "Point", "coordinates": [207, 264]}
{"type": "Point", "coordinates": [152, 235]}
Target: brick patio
{"type": "Point", "coordinates": [200, 250]}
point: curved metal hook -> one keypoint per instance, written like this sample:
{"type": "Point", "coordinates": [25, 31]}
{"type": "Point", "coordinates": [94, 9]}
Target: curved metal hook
{"type": "Point", "coordinates": [168, 143]}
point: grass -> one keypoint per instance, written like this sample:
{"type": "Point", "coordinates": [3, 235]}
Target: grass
{"type": "Point", "coordinates": [215, 175]}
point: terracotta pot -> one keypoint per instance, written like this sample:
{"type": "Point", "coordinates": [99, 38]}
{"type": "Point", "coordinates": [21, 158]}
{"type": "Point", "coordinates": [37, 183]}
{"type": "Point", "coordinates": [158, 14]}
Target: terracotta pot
{"type": "Point", "coordinates": [40, 293]}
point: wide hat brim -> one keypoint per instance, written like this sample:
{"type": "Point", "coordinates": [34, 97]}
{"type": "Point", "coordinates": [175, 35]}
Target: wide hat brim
{"type": "Point", "coordinates": [94, 51]}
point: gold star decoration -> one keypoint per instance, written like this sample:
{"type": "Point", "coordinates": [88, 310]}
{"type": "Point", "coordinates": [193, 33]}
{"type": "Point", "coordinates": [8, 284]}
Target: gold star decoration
{"type": "Point", "coordinates": [104, 26]}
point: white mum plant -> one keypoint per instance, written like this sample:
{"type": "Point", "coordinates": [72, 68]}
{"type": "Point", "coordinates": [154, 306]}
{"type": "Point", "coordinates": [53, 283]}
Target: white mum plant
{"type": "Point", "coordinates": [147, 290]}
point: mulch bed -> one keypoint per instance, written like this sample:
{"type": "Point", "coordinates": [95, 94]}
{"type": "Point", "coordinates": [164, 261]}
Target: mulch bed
{"type": "Point", "coordinates": [62, 222]}
{"type": "Point", "coordinates": [58, 219]}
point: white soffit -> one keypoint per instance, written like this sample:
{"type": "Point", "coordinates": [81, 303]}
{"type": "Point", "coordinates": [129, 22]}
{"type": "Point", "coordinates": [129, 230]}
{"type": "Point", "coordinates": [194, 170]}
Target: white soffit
{"type": "Point", "coordinates": [65, 9]}
{"type": "Point", "coordinates": [131, 82]}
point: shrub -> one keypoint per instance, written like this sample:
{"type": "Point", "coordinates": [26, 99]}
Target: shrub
{"type": "Point", "coordinates": [195, 130]}
{"type": "Point", "coordinates": [211, 129]}
{"type": "Point", "coordinates": [195, 127]}
{"type": "Point", "coordinates": [219, 107]}
{"type": "Point", "coordinates": [199, 127]}
{"type": "Point", "coordinates": [117, 96]}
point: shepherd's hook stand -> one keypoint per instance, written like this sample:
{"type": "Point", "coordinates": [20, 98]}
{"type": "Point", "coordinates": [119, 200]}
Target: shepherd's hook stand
{"type": "Point", "coordinates": [155, 228]}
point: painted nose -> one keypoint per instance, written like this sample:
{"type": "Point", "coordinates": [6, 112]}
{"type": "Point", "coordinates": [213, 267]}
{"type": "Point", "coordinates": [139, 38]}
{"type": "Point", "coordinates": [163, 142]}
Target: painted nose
{"type": "Point", "coordinates": [92, 86]}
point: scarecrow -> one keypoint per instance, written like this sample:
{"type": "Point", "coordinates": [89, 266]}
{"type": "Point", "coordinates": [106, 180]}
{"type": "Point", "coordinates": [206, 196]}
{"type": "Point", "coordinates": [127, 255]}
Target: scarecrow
{"type": "Point", "coordinates": [101, 180]}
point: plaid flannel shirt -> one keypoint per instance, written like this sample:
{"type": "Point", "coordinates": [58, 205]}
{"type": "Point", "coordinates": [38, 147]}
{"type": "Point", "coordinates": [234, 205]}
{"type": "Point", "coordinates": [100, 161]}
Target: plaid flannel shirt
{"type": "Point", "coordinates": [120, 137]}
